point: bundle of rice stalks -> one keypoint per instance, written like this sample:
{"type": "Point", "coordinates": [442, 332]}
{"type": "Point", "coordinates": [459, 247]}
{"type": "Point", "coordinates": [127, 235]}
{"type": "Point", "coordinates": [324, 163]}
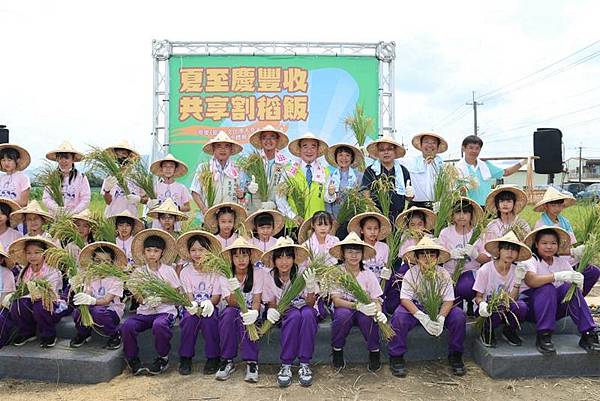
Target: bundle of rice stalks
{"type": "Point", "coordinates": [446, 194]}
{"type": "Point", "coordinates": [382, 188]}
{"type": "Point", "coordinates": [586, 222]}
{"type": "Point", "coordinates": [519, 227]}
{"type": "Point", "coordinates": [254, 166]}
{"type": "Point", "coordinates": [43, 290]}
{"type": "Point", "coordinates": [478, 230]}
{"type": "Point", "coordinates": [104, 229]}
{"type": "Point", "coordinates": [50, 178]}
{"type": "Point", "coordinates": [292, 292]}
{"type": "Point", "coordinates": [394, 242]}
{"type": "Point", "coordinates": [64, 229]}
{"type": "Point", "coordinates": [141, 177]}
{"type": "Point", "coordinates": [19, 292]}
{"type": "Point", "coordinates": [144, 284]}
{"type": "Point", "coordinates": [97, 271]}
{"type": "Point", "coordinates": [355, 202]}
{"type": "Point", "coordinates": [430, 290]}
{"type": "Point", "coordinates": [499, 302]}
{"type": "Point", "coordinates": [592, 251]}
{"type": "Point", "coordinates": [296, 195]}
{"type": "Point", "coordinates": [360, 124]}
{"type": "Point", "coordinates": [105, 162]}
{"type": "Point", "coordinates": [62, 259]}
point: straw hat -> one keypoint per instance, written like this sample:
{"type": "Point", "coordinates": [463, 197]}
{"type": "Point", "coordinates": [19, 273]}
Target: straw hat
{"type": "Point", "coordinates": [33, 207]}
{"type": "Point", "coordinates": [416, 141]}
{"type": "Point", "coordinates": [16, 250]}
{"type": "Point", "coordinates": [294, 146]}
{"type": "Point", "coordinates": [85, 215]}
{"type": "Point", "coordinates": [282, 138]}
{"type": "Point", "coordinates": [167, 207]}
{"type": "Point", "coordinates": [210, 218]}
{"type": "Point", "coordinates": [278, 220]}
{"type": "Point", "coordinates": [86, 255]}
{"type": "Point", "coordinates": [385, 227]}
{"type": "Point", "coordinates": [358, 155]}
{"type": "Point", "coordinates": [553, 194]}
{"type": "Point", "coordinates": [181, 168]}
{"type": "Point", "coordinates": [242, 243]}
{"type": "Point", "coordinates": [182, 248]}
{"type": "Point", "coordinates": [404, 217]}
{"type": "Point", "coordinates": [138, 225]}
{"type": "Point", "coordinates": [374, 153]}
{"type": "Point", "coordinates": [564, 246]}
{"type": "Point", "coordinates": [14, 206]}
{"type": "Point", "coordinates": [477, 214]}
{"type": "Point", "coordinates": [137, 246]}
{"type": "Point", "coordinates": [124, 144]}
{"type": "Point", "coordinates": [520, 203]}
{"type": "Point", "coordinates": [493, 246]}
{"type": "Point", "coordinates": [305, 230]}
{"type": "Point", "coordinates": [300, 252]}
{"type": "Point", "coordinates": [65, 147]}
{"type": "Point", "coordinates": [222, 137]}
{"type": "Point", "coordinates": [352, 239]}
{"type": "Point", "coordinates": [427, 243]}
{"type": "Point", "coordinates": [8, 260]}
{"type": "Point", "coordinates": [24, 156]}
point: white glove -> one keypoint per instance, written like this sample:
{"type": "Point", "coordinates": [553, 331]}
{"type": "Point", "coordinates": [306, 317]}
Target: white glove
{"type": "Point", "coordinates": [207, 308]}
{"type": "Point", "coordinates": [430, 326]}
{"type": "Point", "coordinates": [457, 253]}
{"type": "Point", "coordinates": [131, 198]}
{"type": "Point", "coordinates": [570, 277]}
{"type": "Point", "coordinates": [409, 191]}
{"type": "Point", "coordinates": [470, 251]}
{"type": "Point", "coordinates": [436, 207]}
{"type": "Point", "coordinates": [6, 301]}
{"type": "Point", "coordinates": [153, 302]}
{"type": "Point", "coordinates": [152, 203]}
{"type": "Point", "coordinates": [385, 274]}
{"type": "Point", "coordinates": [367, 309]}
{"type": "Point", "coordinates": [483, 309]}
{"type": "Point", "coordinates": [234, 284]}
{"type": "Point", "coordinates": [268, 205]}
{"type": "Point", "coordinates": [192, 310]}
{"type": "Point", "coordinates": [440, 320]}
{"type": "Point", "coordinates": [380, 317]}
{"type": "Point", "coordinates": [81, 298]}
{"type": "Point", "coordinates": [273, 315]}
{"type": "Point", "coordinates": [520, 272]}
{"type": "Point", "coordinates": [110, 182]}
{"type": "Point", "coordinates": [311, 280]}
{"type": "Point", "coordinates": [578, 251]}
{"type": "Point", "coordinates": [253, 186]}
{"type": "Point", "coordinates": [249, 317]}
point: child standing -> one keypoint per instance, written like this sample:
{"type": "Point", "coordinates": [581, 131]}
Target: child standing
{"type": "Point", "coordinates": [14, 184]}
{"type": "Point", "coordinates": [127, 226]}
{"type": "Point", "coordinates": [373, 228]}
{"type": "Point", "coordinates": [320, 227]}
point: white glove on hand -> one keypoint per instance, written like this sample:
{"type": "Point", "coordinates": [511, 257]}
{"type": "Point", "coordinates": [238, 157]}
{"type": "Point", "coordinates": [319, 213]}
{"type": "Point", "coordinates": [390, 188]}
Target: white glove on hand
{"type": "Point", "coordinates": [409, 190]}
{"type": "Point", "coordinates": [436, 207]}
{"type": "Point", "coordinates": [207, 308]}
{"type": "Point", "coordinates": [6, 301]}
{"type": "Point", "coordinates": [153, 302]}
{"type": "Point", "coordinates": [249, 317]}
{"type": "Point", "coordinates": [570, 277]}
{"type": "Point", "coordinates": [273, 315]}
{"type": "Point", "coordinates": [577, 279]}
{"type": "Point", "coordinates": [192, 310]}
{"type": "Point", "coordinates": [457, 253]}
{"type": "Point", "coordinates": [81, 298]}
{"type": "Point", "coordinates": [470, 251]}
{"type": "Point", "coordinates": [253, 186]}
{"type": "Point", "coordinates": [110, 182]}
{"type": "Point", "coordinates": [131, 198]}
{"type": "Point", "coordinates": [380, 317]}
{"type": "Point", "coordinates": [578, 251]}
{"type": "Point", "coordinates": [520, 272]}
{"type": "Point", "coordinates": [311, 280]}
{"type": "Point", "coordinates": [367, 309]}
{"type": "Point", "coordinates": [385, 274]}
{"type": "Point", "coordinates": [234, 284]}
{"type": "Point", "coordinates": [483, 309]}
{"type": "Point", "coordinates": [152, 203]}
{"type": "Point", "coordinates": [440, 320]}
{"type": "Point", "coordinates": [430, 326]}
{"type": "Point", "coordinates": [268, 205]}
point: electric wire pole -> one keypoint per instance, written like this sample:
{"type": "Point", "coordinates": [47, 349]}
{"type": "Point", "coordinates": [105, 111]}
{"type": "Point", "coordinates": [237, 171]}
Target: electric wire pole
{"type": "Point", "coordinates": [474, 104]}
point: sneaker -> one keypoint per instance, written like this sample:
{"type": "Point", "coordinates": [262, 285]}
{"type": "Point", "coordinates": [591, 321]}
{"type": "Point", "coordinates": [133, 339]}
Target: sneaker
{"type": "Point", "coordinates": [159, 365]}
{"type": "Point", "coordinates": [47, 342]}
{"type": "Point", "coordinates": [397, 366]}
{"type": "Point", "coordinates": [544, 344]}
{"type": "Point", "coordinates": [185, 366]}
{"type": "Point", "coordinates": [211, 366]}
{"type": "Point", "coordinates": [589, 341]}
{"type": "Point", "coordinates": [488, 337]}
{"type": "Point", "coordinates": [511, 336]}
{"type": "Point", "coordinates": [284, 377]}
{"type": "Point", "coordinates": [136, 366]}
{"type": "Point", "coordinates": [338, 359]}
{"type": "Point", "coordinates": [114, 342]}
{"type": "Point", "coordinates": [20, 340]}
{"type": "Point", "coordinates": [79, 340]}
{"type": "Point", "coordinates": [225, 370]}
{"type": "Point", "coordinates": [456, 364]}
{"type": "Point", "coordinates": [374, 361]}
{"type": "Point", "coordinates": [251, 372]}
{"type": "Point", "coordinates": [305, 376]}
{"type": "Point", "coordinates": [470, 309]}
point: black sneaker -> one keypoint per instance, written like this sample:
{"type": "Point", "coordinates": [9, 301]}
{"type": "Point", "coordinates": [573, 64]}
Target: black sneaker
{"type": "Point", "coordinates": [211, 366]}
{"type": "Point", "coordinates": [338, 359]}
{"type": "Point", "coordinates": [374, 361]}
{"type": "Point", "coordinates": [511, 336]}
{"type": "Point", "coordinates": [185, 366]}
{"type": "Point", "coordinates": [543, 343]}
{"type": "Point", "coordinates": [159, 365]}
{"type": "Point", "coordinates": [79, 340]}
{"type": "Point", "coordinates": [20, 340]}
{"type": "Point", "coordinates": [470, 309]}
{"type": "Point", "coordinates": [589, 341]}
{"type": "Point", "coordinates": [456, 364]}
{"type": "Point", "coordinates": [47, 342]}
{"type": "Point", "coordinates": [114, 342]}
{"type": "Point", "coordinates": [397, 366]}
{"type": "Point", "coordinates": [136, 366]}
{"type": "Point", "coordinates": [488, 337]}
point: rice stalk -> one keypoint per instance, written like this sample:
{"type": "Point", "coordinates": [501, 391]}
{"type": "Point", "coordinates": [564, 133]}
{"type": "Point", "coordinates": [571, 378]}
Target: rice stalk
{"type": "Point", "coordinates": [62, 259]}
{"type": "Point", "coordinates": [296, 195]}
{"type": "Point", "coordinates": [499, 302]}
{"type": "Point", "coordinates": [205, 176]}
{"type": "Point", "coordinates": [479, 229]}
{"type": "Point", "coordinates": [64, 229]}
{"type": "Point", "coordinates": [293, 291]}
{"type": "Point", "coordinates": [254, 166]}
{"type": "Point", "coordinates": [144, 284]}
{"type": "Point", "coordinates": [446, 194]}
{"type": "Point", "coordinates": [141, 177]}
{"type": "Point", "coordinates": [360, 124]}
{"type": "Point", "coordinates": [382, 188]}
{"type": "Point", "coordinates": [103, 229]}
{"type": "Point", "coordinates": [355, 202]}
{"type": "Point", "coordinates": [591, 251]}
{"type": "Point", "coordinates": [51, 179]}
{"type": "Point", "coordinates": [586, 222]}
{"type": "Point", "coordinates": [430, 290]}
{"type": "Point", "coordinates": [105, 162]}
{"type": "Point", "coordinates": [42, 289]}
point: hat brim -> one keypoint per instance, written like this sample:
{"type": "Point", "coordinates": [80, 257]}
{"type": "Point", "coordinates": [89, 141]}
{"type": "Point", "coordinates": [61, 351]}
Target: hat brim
{"type": "Point", "coordinates": [493, 248]}
{"type": "Point", "coordinates": [181, 168]}
{"type": "Point", "coordinates": [443, 257]}
{"type": "Point", "coordinates": [278, 220]}
{"type": "Point", "coordinates": [568, 201]}
{"type": "Point", "coordinates": [442, 147]}
{"type": "Point", "coordinates": [282, 138]}
{"type": "Point", "coordinates": [385, 227]}
{"type": "Point", "coordinates": [137, 245]}
{"type": "Point", "coordinates": [336, 250]}
{"type": "Point", "coordinates": [182, 248]}
{"type": "Point", "coordinates": [77, 156]}
{"type": "Point", "coordinates": [179, 216]}
{"type": "Point", "coordinates": [374, 152]}
{"type": "Point", "coordinates": [305, 231]}
{"type": "Point", "coordinates": [564, 246]}
{"type": "Point", "coordinates": [138, 225]}
{"type": "Point", "coordinates": [294, 146]}
{"type": "Point", "coordinates": [24, 156]}
{"type": "Point", "coordinates": [16, 249]}
{"type": "Point", "coordinates": [21, 213]}
{"type": "Point", "coordinates": [132, 151]}
{"type": "Point", "coordinates": [255, 253]}
{"type": "Point", "coordinates": [478, 212]}
{"type": "Point", "coordinates": [210, 218]}
{"type": "Point", "coordinates": [86, 255]}
{"type": "Point", "coordinates": [88, 219]}
{"type": "Point", "coordinates": [403, 218]}
{"type": "Point", "coordinates": [520, 203]}
{"type": "Point", "coordinates": [235, 147]}
{"type": "Point", "coordinates": [358, 156]}
{"type": "Point", "coordinates": [300, 254]}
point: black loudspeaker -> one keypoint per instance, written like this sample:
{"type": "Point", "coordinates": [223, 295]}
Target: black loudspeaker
{"type": "Point", "coordinates": [3, 134]}
{"type": "Point", "coordinates": [547, 145]}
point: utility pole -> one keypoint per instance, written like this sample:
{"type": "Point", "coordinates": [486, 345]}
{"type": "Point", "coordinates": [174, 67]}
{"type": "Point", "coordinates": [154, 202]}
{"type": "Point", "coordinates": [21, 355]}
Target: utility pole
{"type": "Point", "coordinates": [474, 104]}
{"type": "Point", "coordinates": [580, 164]}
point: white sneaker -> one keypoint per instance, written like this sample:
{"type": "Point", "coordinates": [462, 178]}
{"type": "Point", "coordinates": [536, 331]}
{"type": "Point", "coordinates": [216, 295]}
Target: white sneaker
{"type": "Point", "coordinates": [305, 375]}
{"type": "Point", "coordinates": [225, 370]}
{"type": "Point", "coordinates": [284, 377]}
{"type": "Point", "coordinates": [251, 372]}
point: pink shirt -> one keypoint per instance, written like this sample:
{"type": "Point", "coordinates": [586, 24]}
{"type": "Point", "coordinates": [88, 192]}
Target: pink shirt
{"type": "Point", "coordinates": [368, 282]}
{"type": "Point", "coordinates": [168, 274]}
{"type": "Point", "coordinates": [225, 242]}
{"type": "Point", "coordinates": [177, 192]}
{"type": "Point", "coordinates": [489, 280]}
{"type": "Point", "coordinates": [412, 280]}
{"type": "Point", "coordinates": [7, 282]}
{"type": "Point", "coordinates": [8, 237]}
{"type": "Point", "coordinates": [496, 229]}
{"type": "Point", "coordinates": [46, 272]}
{"type": "Point", "coordinates": [450, 239]}
{"type": "Point", "coordinates": [540, 223]}
{"type": "Point", "coordinates": [263, 246]}
{"type": "Point", "coordinates": [272, 293]}
{"type": "Point", "coordinates": [119, 201]}
{"type": "Point", "coordinates": [313, 244]}
{"type": "Point", "coordinates": [76, 194]}
{"type": "Point", "coordinates": [202, 285]}
{"type": "Point", "coordinates": [13, 185]}
{"type": "Point", "coordinates": [125, 245]}
{"type": "Point", "coordinates": [258, 280]}
{"type": "Point", "coordinates": [377, 263]}
{"type": "Point", "coordinates": [410, 242]}
{"type": "Point", "coordinates": [109, 285]}
{"type": "Point", "coordinates": [559, 264]}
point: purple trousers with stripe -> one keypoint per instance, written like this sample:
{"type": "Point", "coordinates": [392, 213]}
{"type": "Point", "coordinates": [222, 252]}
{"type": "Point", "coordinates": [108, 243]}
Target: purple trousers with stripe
{"type": "Point", "coordinates": [6, 326]}
{"type": "Point", "coordinates": [298, 331]}
{"type": "Point", "coordinates": [161, 325]}
{"type": "Point", "coordinates": [344, 319]}
{"type": "Point", "coordinates": [519, 311]}
{"type": "Point", "coordinates": [105, 321]}
{"type": "Point", "coordinates": [190, 326]}
{"type": "Point", "coordinates": [29, 316]}
{"type": "Point", "coordinates": [463, 290]}
{"type": "Point", "coordinates": [232, 333]}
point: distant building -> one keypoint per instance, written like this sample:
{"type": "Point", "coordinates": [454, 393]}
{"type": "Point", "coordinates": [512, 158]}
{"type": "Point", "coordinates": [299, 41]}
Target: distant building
{"type": "Point", "coordinates": [590, 171]}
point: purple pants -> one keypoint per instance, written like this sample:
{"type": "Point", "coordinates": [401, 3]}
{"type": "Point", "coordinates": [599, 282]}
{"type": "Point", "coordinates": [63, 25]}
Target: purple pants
{"type": "Point", "coordinates": [463, 289]}
{"type": "Point", "coordinates": [403, 322]}
{"type": "Point", "coordinates": [344, 319]}
{"type": "Point", "coordinates": [298, 331]}
{"type": "Point", "coordinates": [232, 333]}
{"type": "Point", "coordinates": [391, 293]}
{"type": "Point", "coordinates": [519, 310]}
{"type": "Point", "coordinates": [105, 320]}
{"type": "Point", "coordinates": [6, 326]}
{"type": "Point", "coordinates": [591, 274]}
{"type": "Point", "coordinates": [190, 326]}
{"type": "Point", "coordinates": [161, 324]}
{"type": "Point", "coordinates": [28, 316]}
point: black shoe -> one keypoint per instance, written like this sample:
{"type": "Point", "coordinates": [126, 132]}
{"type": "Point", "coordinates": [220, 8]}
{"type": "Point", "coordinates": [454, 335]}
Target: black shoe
{"type": "Point", "coordinates": [456, 364]}
{"type": "Point", "coordinates": [133, 305]}
{"type": "Point", "coordinates": [589, 341]}
{"type": "Point", "coordinates": [470, 311]}
{"type": "Point", "coordinates": [374, 361]}
{"type": "Point", "coordinates": [338, 359]}
{"type": "Point", "coordinates": [136, 366]}
{"type": "Point", "coordinates": [511, 336]}
{"type": "Point", "coordinates": [488, 337]}
{"type": "Point", "coordinates": [185, 366]}
{"type": "Point", "coordinates": [47, 342]}
{"type": "Point", "coordinates": [159, 365]}
{"type": "Point", "coordinates": [211, 366]}
{"type": "Point", "coordinates": [397, 366]}
{"type": "Point", "coordinates": [114, 342]}
{"type": "Point", "coordinates": [79, 340]}
{"type": "Point", "coordinates": [543, 343]}
{"type": "Point", "coordinates": [21, 340]}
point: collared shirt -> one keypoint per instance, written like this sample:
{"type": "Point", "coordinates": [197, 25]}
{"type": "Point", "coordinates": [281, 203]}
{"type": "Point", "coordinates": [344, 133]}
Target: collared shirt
{"type": "Point", "coordinates": [397, 201]}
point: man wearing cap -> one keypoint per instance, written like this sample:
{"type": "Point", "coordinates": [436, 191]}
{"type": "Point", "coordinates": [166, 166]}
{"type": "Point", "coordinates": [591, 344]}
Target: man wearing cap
{"type": "Point", "coordinates": [424, 168]}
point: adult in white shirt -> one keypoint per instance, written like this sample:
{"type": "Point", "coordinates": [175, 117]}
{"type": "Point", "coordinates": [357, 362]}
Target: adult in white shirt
{"type": "Point", "coordinates": [425, 167]}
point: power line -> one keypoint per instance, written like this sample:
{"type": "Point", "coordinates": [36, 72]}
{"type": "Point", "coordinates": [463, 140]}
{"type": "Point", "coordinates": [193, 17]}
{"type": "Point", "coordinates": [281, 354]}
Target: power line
{"type": "Point", "coordinates": [448, 116]}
